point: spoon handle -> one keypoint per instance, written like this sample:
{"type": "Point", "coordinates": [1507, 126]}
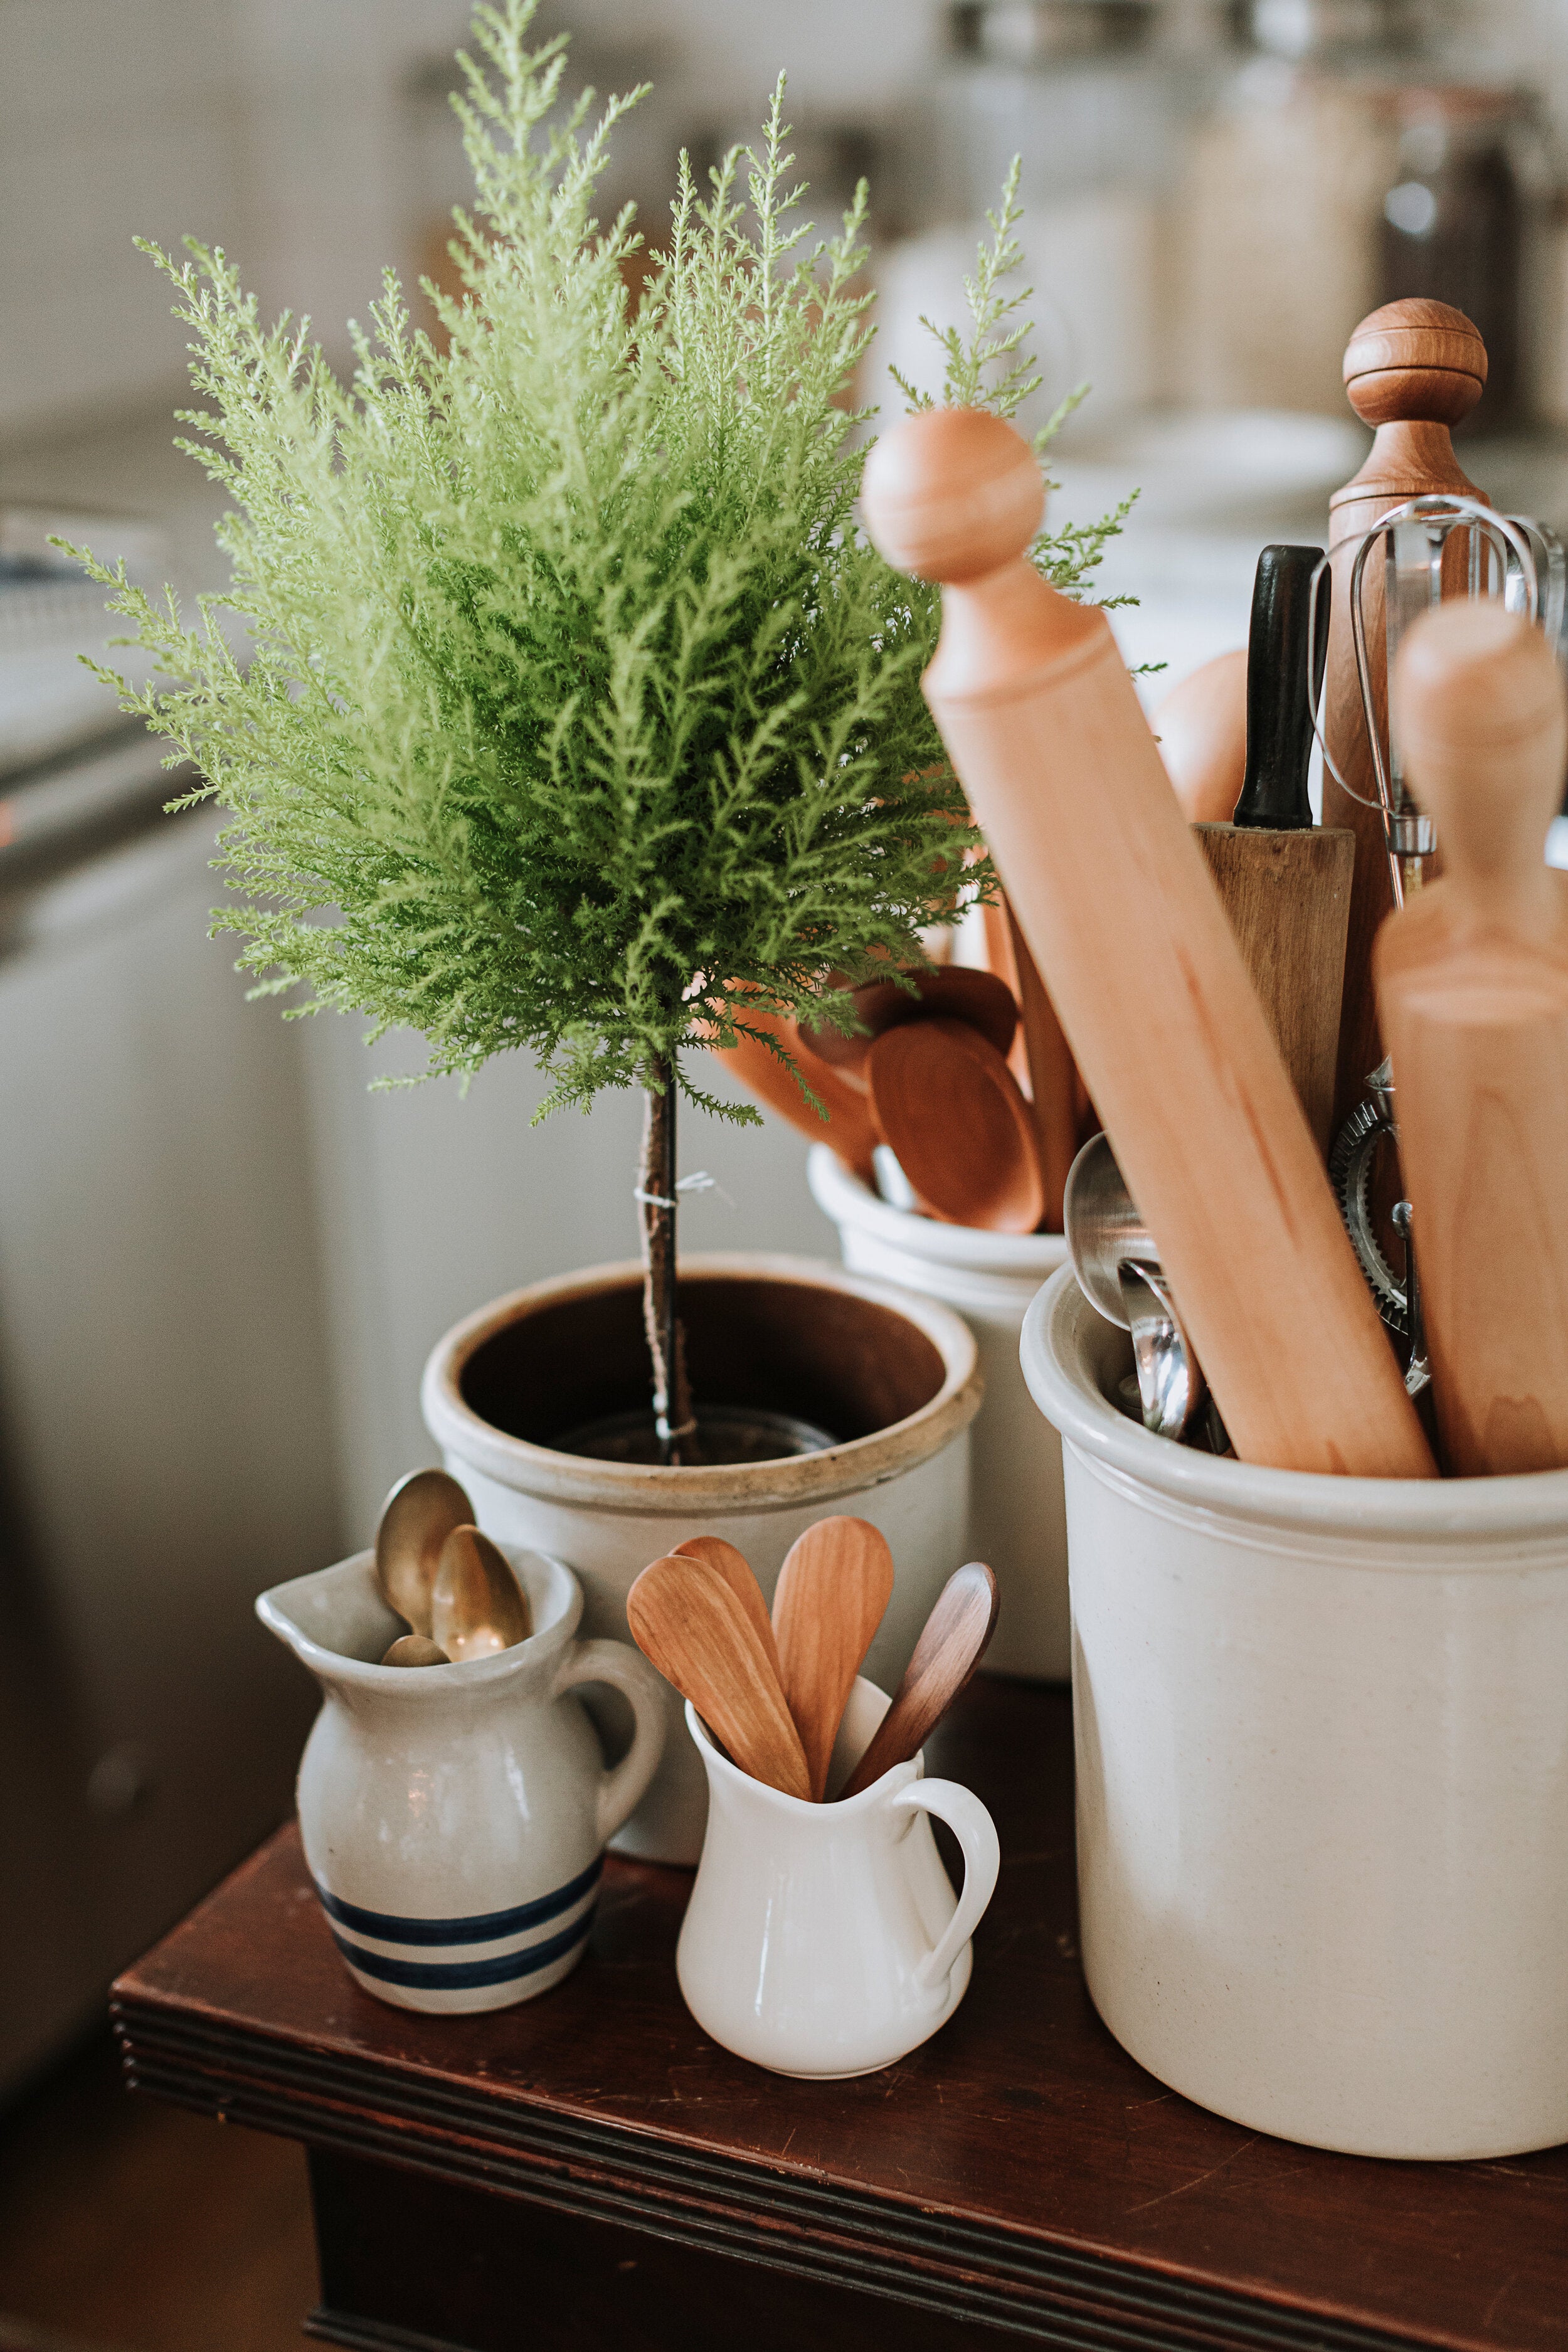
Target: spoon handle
{"type": "Point", "coordinates": [954, 1641]}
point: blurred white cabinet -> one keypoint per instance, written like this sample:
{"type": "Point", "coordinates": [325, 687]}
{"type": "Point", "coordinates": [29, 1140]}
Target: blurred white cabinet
{"type": "Point", "coordinates": [166, 1424]}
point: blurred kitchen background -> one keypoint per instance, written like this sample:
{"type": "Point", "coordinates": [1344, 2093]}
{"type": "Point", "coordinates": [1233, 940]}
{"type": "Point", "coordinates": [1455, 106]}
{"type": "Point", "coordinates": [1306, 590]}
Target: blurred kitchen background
{"type": "Point", "coordinates": [222, 1259]}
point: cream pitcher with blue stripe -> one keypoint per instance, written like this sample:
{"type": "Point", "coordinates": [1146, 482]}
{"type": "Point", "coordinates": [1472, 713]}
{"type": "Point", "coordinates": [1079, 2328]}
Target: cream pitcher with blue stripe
{"type": "Point", "coordinates": [455, 1817]}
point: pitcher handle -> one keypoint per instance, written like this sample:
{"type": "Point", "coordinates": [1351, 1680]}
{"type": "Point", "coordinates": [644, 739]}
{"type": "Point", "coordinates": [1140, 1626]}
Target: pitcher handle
{"type": "Point", "coordinates": [977, 1834]}
{"type": "Point", "coordinates": [628, 1671]}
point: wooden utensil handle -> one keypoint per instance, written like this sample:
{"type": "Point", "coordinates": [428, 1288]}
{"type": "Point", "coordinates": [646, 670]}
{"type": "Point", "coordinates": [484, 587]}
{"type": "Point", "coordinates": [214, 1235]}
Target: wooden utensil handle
{"type": "Point", "coordinates": [1472, 984]}
{"type": "Point", "coordinates": [1045, 731]}
{"type": "Point", "coordinates": [1288, 896]}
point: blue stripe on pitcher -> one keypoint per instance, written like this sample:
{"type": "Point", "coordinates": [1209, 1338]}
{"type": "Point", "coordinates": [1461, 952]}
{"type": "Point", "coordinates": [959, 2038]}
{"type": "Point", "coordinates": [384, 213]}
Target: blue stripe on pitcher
{"type": "Point", "coordinates": [478, 1927]}
{"type": "Point", "coordinates": [460, 1976]}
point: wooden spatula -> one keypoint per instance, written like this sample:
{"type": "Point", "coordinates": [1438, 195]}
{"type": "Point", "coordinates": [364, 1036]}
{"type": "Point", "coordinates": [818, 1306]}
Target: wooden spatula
{"type": "Point", "coordinates": [1041, 1059]}
{"type": "Point", "coordinates": [847, 1127]}
{"type": "Point", "coordinates": [1473, 989]}
{"type": "Point", "coordinates": [1043, 725]}
{"type": "Point", "coordinates": [735, 1569]}
{"type": "Point", "coordinates": [833, 1591]}
{"type": "Point", "coordinates": [952, 1645]}
{"type": "Point", "coordinates": [684, 1616]}
{"type": "Point", "coordinates": [958, 1124]}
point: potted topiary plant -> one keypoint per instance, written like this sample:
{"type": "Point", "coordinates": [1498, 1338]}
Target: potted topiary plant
{"type": "Point", "coordinates": [581, 717]}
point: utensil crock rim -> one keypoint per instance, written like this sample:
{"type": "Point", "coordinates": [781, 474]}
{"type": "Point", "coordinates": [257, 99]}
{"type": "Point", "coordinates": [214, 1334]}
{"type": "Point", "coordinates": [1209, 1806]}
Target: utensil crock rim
{"type": "Point", "coordinates": [338, 1667]}
{"type": "Point", "coordinates": [647, 1490]}
{"type": "Point", "coordinates": [1440, 1510]}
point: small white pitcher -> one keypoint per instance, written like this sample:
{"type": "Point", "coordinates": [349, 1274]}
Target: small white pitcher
{"type": "Point", "coordinates": [825, 1939]}
{"type": "Point", "coordinates": [455, 1818]}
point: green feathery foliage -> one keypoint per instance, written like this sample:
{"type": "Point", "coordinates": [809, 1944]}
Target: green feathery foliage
{"type": "Point", "coordinates": [580, 714]}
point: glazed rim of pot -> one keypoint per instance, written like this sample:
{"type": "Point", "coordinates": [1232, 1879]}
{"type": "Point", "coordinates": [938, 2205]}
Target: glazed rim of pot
{"type": "Point", "coordinates": [1072, 1358]}
{"type": "Point", "coordinates": [918, 1357]}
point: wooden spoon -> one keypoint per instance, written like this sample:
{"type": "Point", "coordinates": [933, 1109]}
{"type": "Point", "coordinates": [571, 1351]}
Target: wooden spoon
{"type": "Point", "coordinates": [847, 1127]}
{"type": "Point", "coordinates": [948, 1650]}
{"type": "Point", "coordinates": [685, 1617]}
{"type": "Point", "coordinates": [416, 1520]}
{"type": "Point", "coordinates": [476, 1605]}
{"type": "Point", "coordinates": [1202, 728]}
{"type": "Point", "coordinates": [832, 1593]}
{"type": "Point", "coordinates": [956, 993]}
{"type": "Point", "coordinates": [958, 1124]}
{"type": "Point", "coordinates": [735, 1569]}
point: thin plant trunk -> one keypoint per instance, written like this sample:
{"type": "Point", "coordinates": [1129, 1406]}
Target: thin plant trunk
{"type": "Point", "coordinates": [673, 1421]}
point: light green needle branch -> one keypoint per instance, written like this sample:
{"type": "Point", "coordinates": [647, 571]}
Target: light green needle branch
{"type": "Point", "coordinates": [576, 701]}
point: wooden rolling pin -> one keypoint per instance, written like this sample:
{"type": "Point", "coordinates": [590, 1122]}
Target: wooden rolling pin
{"type": "Point", "coordinates": [1042, 724]}
{"type": "Point", "coordinates": [1472, 987]}
{"type": "Point", "coordinates": [1414, 369]}
{"type": "Point", "coordinates": [1285, 882]}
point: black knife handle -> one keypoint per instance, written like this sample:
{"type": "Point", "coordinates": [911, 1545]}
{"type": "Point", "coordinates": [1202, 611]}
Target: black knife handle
{"type": "Point", "coordinates": [1279, 723]}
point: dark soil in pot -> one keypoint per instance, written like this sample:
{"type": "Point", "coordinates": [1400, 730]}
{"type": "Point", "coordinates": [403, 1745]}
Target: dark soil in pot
{"type": "Point", "coordinates": [777, 1369]}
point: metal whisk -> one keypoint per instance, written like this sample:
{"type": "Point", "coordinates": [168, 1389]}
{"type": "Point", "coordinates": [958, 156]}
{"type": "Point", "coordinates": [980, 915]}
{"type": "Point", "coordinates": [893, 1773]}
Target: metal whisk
{"type": "Point", "coordinates": [1512, 558]}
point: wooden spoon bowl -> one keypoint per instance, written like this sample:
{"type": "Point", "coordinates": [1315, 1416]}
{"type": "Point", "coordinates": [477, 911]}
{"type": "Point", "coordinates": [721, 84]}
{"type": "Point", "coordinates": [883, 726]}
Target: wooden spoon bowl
{"type": "Point", "coordinates": [957, 1122]}
{"type": "Point", "coordinates": [956, 993]}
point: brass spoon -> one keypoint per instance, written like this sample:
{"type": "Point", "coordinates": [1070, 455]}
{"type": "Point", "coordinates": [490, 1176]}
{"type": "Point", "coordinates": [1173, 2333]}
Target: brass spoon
{"type": "Point", "coordinates": [476, 1605]}
{"type": "Point", "coordinates": [685, 1616]}
{"type": "Point", "coordinates": [832, 1593]}
{"type": "Point", "coordinates": [416, 1520]}
{"type": "Point", "coordinates": [948, 1651]}
{"type": "Point", "coordinates": [414, 1650]}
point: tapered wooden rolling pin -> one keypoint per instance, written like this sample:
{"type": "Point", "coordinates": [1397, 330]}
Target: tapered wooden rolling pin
{"type": "Point", "coordinates": [1472, 987]}
{"type": "Point", "coordinates": [1285, 882]}
{"type": "Point", "coordinates": [1414, 370]}
{"type": "Point", "coordinates": [1042, 724]}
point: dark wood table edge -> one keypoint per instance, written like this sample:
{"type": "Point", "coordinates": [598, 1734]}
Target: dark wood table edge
{"type": "Point", "coordinates": [1074, 2297]}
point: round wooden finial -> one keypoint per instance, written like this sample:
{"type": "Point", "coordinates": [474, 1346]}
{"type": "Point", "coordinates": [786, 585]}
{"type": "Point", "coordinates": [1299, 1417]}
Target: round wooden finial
{"type": "Point", "coordinates": [1480, 711]}
{"type": "Point", "coordinates": [952, 494]}
{"type": "Point", "coordinates": [1416, 362]}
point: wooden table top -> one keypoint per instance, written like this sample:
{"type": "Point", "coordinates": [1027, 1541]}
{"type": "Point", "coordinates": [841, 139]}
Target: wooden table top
{"type": "Point", "coordinates": [1019, 2170]}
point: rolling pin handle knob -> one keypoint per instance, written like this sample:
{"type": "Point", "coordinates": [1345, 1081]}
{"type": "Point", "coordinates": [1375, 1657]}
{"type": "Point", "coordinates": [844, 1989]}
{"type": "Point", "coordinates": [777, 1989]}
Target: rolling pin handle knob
{"type": "Point", "coordinates": [1415, 362]}
{"type": "Point", "coordinates": [952, 495]}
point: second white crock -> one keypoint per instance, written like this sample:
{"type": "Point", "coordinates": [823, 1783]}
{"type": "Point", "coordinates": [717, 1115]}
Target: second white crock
{"type": "Point", "coordinates": [1321, 1734]}
{"type": "Point", "coordinates": [1017, 1521]}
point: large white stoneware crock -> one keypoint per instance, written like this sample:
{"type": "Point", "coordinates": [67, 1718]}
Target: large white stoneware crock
{"type": "Point", "coordinates": [1015, 1517]}
{"type": "Point", "coordinates": [898, 1375]}
{"type": "Point", "coordinates": [825, 1940]}
{"type": "Point", "coordinates": [1322, 1757]}
{"type": "Point", "coordinates": [454, 1817]}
